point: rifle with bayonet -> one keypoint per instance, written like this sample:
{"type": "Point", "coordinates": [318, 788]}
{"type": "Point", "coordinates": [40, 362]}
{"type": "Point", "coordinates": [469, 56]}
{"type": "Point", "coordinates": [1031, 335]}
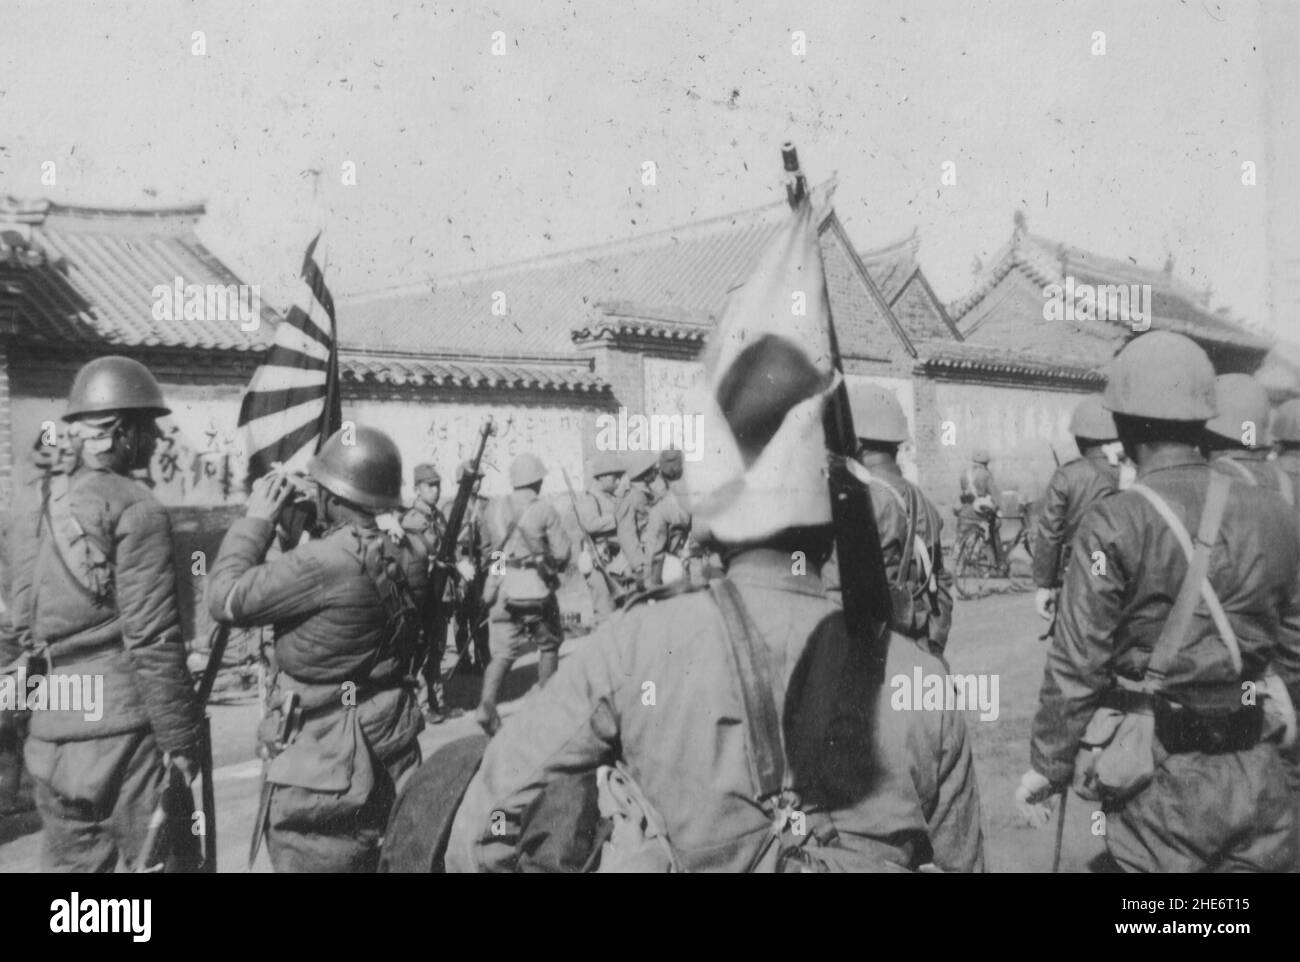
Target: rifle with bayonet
{"type": "Point", "coordinates": [596, 558]}
{"type": "Point", "coordinates": [864, 586]}
{"type": "Point", "coordinates": [445, 562]}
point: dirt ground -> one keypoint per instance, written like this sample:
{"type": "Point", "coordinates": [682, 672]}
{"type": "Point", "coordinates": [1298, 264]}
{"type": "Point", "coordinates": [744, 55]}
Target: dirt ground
{"type": "Point", "coordinates": [996, 635]}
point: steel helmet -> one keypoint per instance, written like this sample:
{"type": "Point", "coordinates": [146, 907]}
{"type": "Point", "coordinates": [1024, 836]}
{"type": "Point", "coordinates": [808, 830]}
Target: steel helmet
{"type": "Point", "coordinates": [1164, 376]}
{"type": "Point", "coordinates": [671, 464]}
{"type": "Point", "coordinates": [114, 383]}
{"type": "Point", "coordinates": [981, 457]}
{"type": "Point", "coordinates": [877, 415]}
{"type": "Point", "coordinates": [642, 463]}
{"type": "Point", "coordinates": [525, 470]}
{"type": "Point", "coordinates": [367, 471]}
{"type": "Point", "coordinates": [1243, 410]}
{"type": "Point", "coordinates": [1092, 420]}
{"type": "Point", "coordinates": [606, 462]}
{"type": "Point", "coordinates": [1286, 422]}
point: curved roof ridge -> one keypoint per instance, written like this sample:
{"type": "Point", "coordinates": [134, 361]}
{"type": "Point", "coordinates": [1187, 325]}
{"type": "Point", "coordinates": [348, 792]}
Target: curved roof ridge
{"type": "Point", "coordinates": [748, 217]}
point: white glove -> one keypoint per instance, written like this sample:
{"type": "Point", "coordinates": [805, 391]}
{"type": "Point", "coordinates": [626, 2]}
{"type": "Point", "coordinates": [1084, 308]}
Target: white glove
{"type": "Point", "coordinates": [1045, 602]}
{"type": "Point", "coordinates": [1035, 799]}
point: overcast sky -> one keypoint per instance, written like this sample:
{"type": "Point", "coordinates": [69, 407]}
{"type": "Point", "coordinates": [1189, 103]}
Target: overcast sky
{"type": "Point", "coordinates": [466, 159]}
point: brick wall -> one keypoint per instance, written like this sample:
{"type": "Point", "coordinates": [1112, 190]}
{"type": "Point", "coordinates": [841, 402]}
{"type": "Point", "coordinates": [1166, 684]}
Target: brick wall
{"type": "Point", "coordinates": [1020, 427]}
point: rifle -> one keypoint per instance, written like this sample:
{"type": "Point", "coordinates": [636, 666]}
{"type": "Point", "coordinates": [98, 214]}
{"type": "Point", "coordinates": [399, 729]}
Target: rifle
{"type": "Point", "coordinates": [152, 855]}
{"type": "Point", "coordinates": [445, 561]}
{"type": "Point", "coordinates": [596, 559]}
{"type": "Point", "coordinates": [864, 586]}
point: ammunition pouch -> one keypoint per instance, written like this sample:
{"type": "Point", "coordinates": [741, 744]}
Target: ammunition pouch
{"type": "Point", "coordinates": [1181, 730]}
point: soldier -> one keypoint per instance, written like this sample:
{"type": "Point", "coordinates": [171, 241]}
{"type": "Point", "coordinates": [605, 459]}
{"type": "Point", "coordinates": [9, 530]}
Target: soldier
{"type": "Point", "coordinates": [1217, 799]}
{"type": "Point", "coordinates": [345, 608]}
{"type": "Point", "coordinates": [471, 612]}
{"type": "Point", "coordinates": [94, 595]}
{"type": "Point", "coordinates": [634, 512]}
{"type": "Point", "coordinates": [923, 602]}
{"type": "Point", "coordinates": [668, 529]}
{"type": "Point", "coordinates": [650, 707]}
{"type": "Point", "coordinates": [979, 500]}
{"type": "Point", "coordinates": [1236, 439]}
{"type": "Point", "coordinates": [426, 521]}
{"type": "Point", "coordinates": [598, 517]}
{"type": "Point", "coordinates": [528, 550]}
{"type": "Point", "coordinates": [1074, 487]}
{"type": "Point", "coordinates": [1286, 432]}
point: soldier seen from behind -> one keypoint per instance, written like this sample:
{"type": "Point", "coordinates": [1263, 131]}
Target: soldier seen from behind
{"type": "Point", "coordinates": [1236, 439]}
{"type": "Point", "coordinates": [634, 513]}
{"type": "Point", "coordinates": [741, 727]}
{"type": "Point", "coordinates": [909, 525]}
{"type": "Point", "coordinates": [978, 497]}
{"type": "Point", "coordinates": [1074, 487]}
{"type": "Point", "coordinates": [672, 553]}
{"type": "Point", "coordinates": [1155, 698]}
{"type": "Point", "coordinates": [598, 516]}
{"type": "Point", "coordinates": [527, 549]}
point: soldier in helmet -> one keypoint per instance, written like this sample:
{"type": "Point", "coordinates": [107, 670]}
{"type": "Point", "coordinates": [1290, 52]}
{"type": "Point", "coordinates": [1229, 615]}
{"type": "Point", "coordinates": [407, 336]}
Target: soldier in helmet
{"type": "Point", "coordinates": [854, 784]}
{"type": "Point", "coordinates": [1073, 489]}
{"type": "Point", "coordinates": [979, 500]}
{"type": "Point", "coordinates": [598, 516]}
{"type": "Point", "coordinates": [634, 512]}
{"type": "Point", "coordinates": [1236, 439]}
{"type": "Point", "coordinates": [426, 521]}
{"type": "Point", "coordinates": [909, 525]}
{"type": "Point", "coordinates": [1217, 798]}
{"type": "Point", "coordinates": [94, 596]}
{"type": "Point", "coordinates": [346, 612]}
{"type": "Point", "coordinates": [1286, 433]}
{"type": "Point", "coordinates": [668, 529]}
{"type": "Point", "coordinates": [528, 550]}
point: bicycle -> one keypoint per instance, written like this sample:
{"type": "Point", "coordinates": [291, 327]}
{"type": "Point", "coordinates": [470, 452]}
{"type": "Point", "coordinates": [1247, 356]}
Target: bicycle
{"type": "Point", "coordinates": [974, 566]}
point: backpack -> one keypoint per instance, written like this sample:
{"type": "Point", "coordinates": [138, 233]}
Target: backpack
{"type": "Point", "coordinates": [802, 838]}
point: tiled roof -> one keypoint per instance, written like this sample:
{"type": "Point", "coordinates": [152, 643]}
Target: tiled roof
{"type": "Point", "coordinates": [1176, 306]}
{"type": "Point", "coordinates": [620, 319]}
{"type": "Point", "coordinates": [892, 265]}
{"type": "Point", "coordinates": [460, 372]}
{"type": "Point", "coordinates": [87, 275]}
{"type": "Point", "coordinates": [959, 359]}
{"type": "Point", "coordinates": [579, 295]}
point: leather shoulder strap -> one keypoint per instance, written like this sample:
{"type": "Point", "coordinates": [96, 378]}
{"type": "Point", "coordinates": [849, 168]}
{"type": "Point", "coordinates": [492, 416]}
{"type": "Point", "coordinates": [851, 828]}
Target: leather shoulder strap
{"type": "Point", "coordinates": [1236, 466]}
{"type": "Point", "coordinates": [1284, 484]}
{"type": "Point", "coordinates": [1179, 620]}
{"type": "Point", "coordinates": [763, 722]}
{"type": "Point", "coordinates": [910, 510]}
{"type": "Point", "coordinates": [81, 554]}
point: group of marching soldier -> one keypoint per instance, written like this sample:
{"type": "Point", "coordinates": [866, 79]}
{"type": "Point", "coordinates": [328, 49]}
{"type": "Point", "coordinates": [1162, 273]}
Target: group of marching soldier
{"type": "Point", "coordinates": [1167, 695]}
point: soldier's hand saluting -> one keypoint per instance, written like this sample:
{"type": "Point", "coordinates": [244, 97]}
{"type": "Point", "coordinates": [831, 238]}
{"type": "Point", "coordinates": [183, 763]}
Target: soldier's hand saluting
{"type": "Point", "coordinates": [269, 495]}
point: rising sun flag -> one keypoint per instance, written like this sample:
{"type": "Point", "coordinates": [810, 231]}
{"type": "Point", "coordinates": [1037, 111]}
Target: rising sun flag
{"type": "Point", "coordinates": [292, 403]}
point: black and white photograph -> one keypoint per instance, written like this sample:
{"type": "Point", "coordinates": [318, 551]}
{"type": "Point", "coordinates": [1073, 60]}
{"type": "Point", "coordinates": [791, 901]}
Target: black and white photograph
{"type": "Point", "coordinates": [650, 437]}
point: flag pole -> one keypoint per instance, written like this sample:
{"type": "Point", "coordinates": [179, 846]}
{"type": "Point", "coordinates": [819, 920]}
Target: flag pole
{"type": "Point", "coordinates": [864, 587]}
